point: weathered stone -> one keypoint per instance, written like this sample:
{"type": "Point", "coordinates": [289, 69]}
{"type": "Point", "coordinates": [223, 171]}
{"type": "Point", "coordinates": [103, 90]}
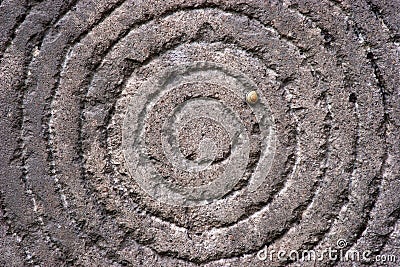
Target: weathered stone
{"type": "Point", "coordinates": [127, 139]}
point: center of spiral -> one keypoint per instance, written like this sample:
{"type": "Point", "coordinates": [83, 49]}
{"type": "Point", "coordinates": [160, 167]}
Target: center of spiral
{"type": "Point", "coordinates": [193, 139]}
{"type": "Point", "coordinates": [204, 139]}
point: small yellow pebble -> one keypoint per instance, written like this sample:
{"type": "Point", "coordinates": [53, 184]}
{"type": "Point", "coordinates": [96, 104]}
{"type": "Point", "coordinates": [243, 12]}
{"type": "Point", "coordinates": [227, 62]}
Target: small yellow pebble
{"type": "Point", "coordinates": [252, 97]}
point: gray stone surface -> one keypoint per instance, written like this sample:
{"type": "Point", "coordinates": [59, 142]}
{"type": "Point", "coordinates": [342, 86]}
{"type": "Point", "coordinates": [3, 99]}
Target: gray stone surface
{"type": "Point", "coordinates": [127, 139]}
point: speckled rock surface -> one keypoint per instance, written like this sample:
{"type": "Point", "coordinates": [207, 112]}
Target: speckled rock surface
{"type": "Point", "coordinates": [127, 139]}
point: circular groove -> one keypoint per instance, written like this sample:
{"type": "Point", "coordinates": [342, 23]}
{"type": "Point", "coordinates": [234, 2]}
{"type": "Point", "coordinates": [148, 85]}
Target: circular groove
{"type": "Point", "coordinates": [336, 122]}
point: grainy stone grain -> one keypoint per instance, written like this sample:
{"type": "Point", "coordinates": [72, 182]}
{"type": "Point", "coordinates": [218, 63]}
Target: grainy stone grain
{"type": "Point", "coordinates": [313, 161]}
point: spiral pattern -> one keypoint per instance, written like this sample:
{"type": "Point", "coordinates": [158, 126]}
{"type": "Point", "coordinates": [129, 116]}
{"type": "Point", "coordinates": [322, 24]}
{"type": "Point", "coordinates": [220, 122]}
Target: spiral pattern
{"type": "Point", "coordinates": [198, 104]}
{"type": "Point", "coordinates": [128, 141]}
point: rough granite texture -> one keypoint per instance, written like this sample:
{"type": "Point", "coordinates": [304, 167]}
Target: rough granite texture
{"type": "Point", "coordinates": [315, 161]}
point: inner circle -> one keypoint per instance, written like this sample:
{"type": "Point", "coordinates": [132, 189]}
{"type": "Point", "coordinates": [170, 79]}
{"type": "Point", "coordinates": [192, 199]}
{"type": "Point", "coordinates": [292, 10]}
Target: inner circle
{"type": "Point", "coordinates": [196, 109]}
{"type": "Point", "coordinates": [163, 111]}
{"type": "Point", "coordinates": [151, 93]}
{"type": "Point", "coordinates": [193, 131]}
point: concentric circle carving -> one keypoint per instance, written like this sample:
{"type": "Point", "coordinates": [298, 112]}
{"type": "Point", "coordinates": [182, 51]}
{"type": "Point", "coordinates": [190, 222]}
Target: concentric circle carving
{"type": "Point", "coordinates": [197, 133]}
